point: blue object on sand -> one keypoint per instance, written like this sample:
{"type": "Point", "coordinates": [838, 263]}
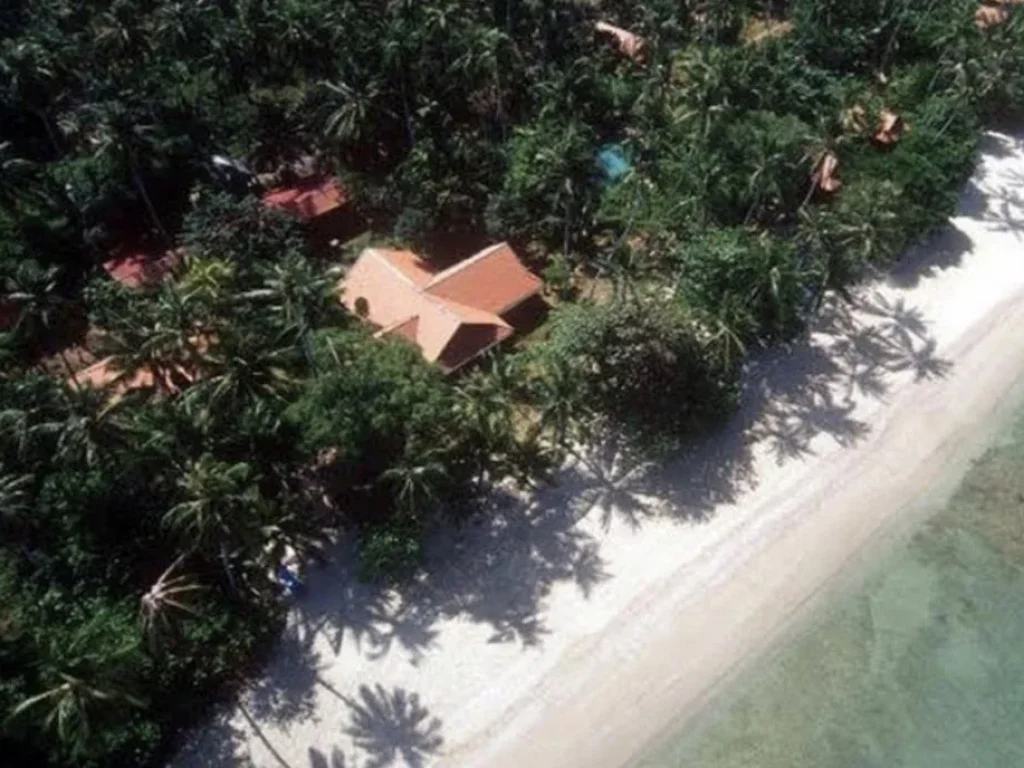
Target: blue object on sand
{"type": "Point", "coordinates": [614, 163]}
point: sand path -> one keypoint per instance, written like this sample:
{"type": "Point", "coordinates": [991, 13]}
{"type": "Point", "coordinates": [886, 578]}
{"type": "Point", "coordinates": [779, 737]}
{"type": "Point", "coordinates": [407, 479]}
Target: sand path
{"type": "Point", "coordinates": [571, 628]}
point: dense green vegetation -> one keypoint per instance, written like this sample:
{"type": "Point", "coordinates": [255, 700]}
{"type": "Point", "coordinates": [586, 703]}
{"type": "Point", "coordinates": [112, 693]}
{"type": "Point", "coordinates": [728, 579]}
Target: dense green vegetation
{"type": "Point", "coordinates": [140, 532]}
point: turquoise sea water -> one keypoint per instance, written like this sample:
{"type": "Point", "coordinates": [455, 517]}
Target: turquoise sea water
{"type": "Point", "coordinates": [921, 665]}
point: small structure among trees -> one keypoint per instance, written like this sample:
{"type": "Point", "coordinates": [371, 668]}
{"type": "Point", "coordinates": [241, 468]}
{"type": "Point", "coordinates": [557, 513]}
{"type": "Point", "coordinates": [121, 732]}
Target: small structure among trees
{"type": "Point", "coordinates": [322, 204]}
{"type": "Point", "coordinates": [135, 267]}
{"type": "Point", "coordinates": [452, 315]}
{"type": "Point", "coordinates": [628, 43]}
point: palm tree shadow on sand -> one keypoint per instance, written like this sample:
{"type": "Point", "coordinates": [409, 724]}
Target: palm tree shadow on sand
{"type": "Point", "coordinates": [498, 568]}
{"type": "Point", "coordinates": [392, 727]}
{"type": "Point", "coordinates": [387, 728]}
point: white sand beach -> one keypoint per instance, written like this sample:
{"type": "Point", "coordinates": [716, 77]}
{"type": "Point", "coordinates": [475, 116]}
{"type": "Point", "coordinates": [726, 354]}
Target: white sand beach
{"type": "Point", "coordinates": [573, 627]}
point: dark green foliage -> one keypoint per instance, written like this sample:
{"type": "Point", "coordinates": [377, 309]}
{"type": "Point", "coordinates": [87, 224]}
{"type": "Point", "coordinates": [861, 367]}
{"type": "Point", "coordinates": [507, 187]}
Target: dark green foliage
{"type": "Point", "coordinates": [270, 420]}
{"type": "Point", "coordinates": [221, 226]}
{"type": "Point", "coordinates": [863, 35]}
{"type": "Point", "coordinates": [641, 364]}
{"type": "Point", "coordinates": [860, 230]}
{"type": "Point", "coordinates": [766, 168]}
{"type": "Point", "coordinates": [752, 283]}
{"type": "Point", "coordinates": [365, 408]}
{"type": "Point", "coordinates": [391, 550]}
{"type": "Point", "coordinates": [551, 178]}
{"type": "Point", "coordinates": [389, 435]}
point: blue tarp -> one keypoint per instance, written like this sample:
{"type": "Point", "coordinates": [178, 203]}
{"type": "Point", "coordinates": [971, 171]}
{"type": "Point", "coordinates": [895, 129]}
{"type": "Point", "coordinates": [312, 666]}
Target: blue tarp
{"type": "Point", "coordinates": [614, 163]}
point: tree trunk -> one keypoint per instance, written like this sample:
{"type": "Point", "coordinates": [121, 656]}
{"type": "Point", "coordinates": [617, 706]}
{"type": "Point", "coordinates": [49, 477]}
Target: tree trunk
{"type": "Point", "coordinates": [141, 187]}
{"type": "Point", "coordinates": [50, 133]}
{"type": "Point", "coordinates": [410, 134]}
{"type": "Point", "coordinates": [68, 368]}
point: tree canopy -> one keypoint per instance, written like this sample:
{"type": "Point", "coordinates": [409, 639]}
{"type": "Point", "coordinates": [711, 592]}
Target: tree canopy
{"type": "Point", "coordinates": [237, 420]}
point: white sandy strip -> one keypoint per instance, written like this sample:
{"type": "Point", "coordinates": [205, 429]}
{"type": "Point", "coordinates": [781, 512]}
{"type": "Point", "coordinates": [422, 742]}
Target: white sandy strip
{"type": "Point", "coordinates": [542, 642]}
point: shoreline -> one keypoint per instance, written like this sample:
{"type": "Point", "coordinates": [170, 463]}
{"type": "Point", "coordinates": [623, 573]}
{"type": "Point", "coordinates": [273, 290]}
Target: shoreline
{"type": "Point", "coordinates": [756, 604]}
{"type": "Point", "coordinates": [572, 643]}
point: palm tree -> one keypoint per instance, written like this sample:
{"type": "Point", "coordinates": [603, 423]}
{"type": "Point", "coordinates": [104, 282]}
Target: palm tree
{"type": "Point", "coordinates": [35, 291]}
{"type": "Point", "coordinates": [19, 182]}
{"type": "Point", "coordinates": [219, 513]}
{"type": "Point", "coordinates": [557, 392]}
{"type": "Point", "coordinates": [416, 479]}
{"type": "Point", "coordinates": [33, 406]}
{"type": "Point", "coordinates": [159, 335]}
{"type": "Point", "coordinates": [724, 338]}
{"type": "Point", "coordinates": [164, 600]}
{"type": "Point", "coordinates": [70, 703]}
{"type": "Point", "coordinates": [352, 121]}
{"type": "Point", "coordinates": [31, 75]}
{"type": "Point", "coordinates": [92, 676]}
{"type": "Point", "coordinates": [394, 50]}
{"type": "Point", "coordinates": [239, 367]}
{"type": "Point", "coordinates": [92, 431]}
{"type": "Point", "coordinates": [124, 141]}
{"type": "Point", "coordinates": [299, 298]}
{"type": "Point", "coordinates": [14, 499]}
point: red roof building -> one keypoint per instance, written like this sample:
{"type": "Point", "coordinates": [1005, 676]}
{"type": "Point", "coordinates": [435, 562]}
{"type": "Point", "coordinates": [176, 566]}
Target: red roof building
{"type": "Point", "coordinates": [136, 268]}
{"type": "Point", "coordinates": [322, 205]}
{"type": "Point", "coordinates": [452, 315]}
{"type": "Point", "coordinates": [308, 200]}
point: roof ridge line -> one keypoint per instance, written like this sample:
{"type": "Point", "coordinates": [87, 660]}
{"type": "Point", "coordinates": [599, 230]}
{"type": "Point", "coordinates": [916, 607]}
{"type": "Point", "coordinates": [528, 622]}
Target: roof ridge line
{"type": "Point", "coordinates": [459, 266]}
{"type": "Point", "coordinates": [379, 255]}
{"type": "Point", "coordinates": [397, 324]}
{"type": "Point", "coordinates": [500, 321]}
{"type": "Point", "coordinates": [441, 304]}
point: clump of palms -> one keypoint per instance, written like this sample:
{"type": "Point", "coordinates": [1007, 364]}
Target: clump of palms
{"type": "Point", "coordinates": [88, 680]}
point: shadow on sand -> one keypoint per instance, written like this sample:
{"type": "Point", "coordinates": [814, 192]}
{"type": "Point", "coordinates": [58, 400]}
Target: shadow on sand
{"type": "Point", "coordinates": [498, 569]}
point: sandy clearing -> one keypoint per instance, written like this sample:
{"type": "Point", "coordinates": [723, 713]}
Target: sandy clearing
{"type": "Point", "coordinates": [572, 628]}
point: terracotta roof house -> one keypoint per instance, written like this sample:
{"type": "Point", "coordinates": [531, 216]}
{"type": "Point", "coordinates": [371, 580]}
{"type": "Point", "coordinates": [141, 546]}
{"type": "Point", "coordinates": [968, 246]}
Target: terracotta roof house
{"type": "Point", "coordinates": [452, 315]}
{"type": "Point", "coordinates": [136, 267]}
{"type": "Point", "coordinates": [321, 204]}
{"type": "Point", "coordinates": [309, 199]}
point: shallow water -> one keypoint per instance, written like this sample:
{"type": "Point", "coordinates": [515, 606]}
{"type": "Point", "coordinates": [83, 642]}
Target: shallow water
{"type": "Point", "coordinates": [921, 665]}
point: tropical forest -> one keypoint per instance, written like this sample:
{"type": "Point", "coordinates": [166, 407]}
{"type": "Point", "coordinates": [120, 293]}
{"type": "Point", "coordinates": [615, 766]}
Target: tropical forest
{"type": "Point", "coordinates": [689, 179]}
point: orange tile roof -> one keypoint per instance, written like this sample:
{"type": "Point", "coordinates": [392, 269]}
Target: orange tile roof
{"type": "Point", "coordinates": [494, 280]}
{"type": "Point", "coordinates": [407, 298]}
{"type": "Point", "coordinates": [309, 200]}
{"type": "Point", "coordinates": [407, 329]}
{"type": "Point", "coordinates": [414, 267]}
{"type": "Point", "coordinates": [135, 268]}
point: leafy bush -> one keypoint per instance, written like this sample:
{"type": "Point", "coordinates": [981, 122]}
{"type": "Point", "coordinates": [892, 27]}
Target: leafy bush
{"type": "Point", "coordinates": [550, 180]}
{"type": "Point", "coordinates": [391, 551]}
{"type": "Point", "coordinates": [861, 229]}
{"type": "Point", "coordinates": [242, 230]}
{"type": "Point", "coordinates": [765, 168]}
{"type": "Point", "coordinates": [864, 35]}
{"type": "Point", "coordinates": [754, 283]}
{"type": "Point", "coordinates": [641, 364]}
